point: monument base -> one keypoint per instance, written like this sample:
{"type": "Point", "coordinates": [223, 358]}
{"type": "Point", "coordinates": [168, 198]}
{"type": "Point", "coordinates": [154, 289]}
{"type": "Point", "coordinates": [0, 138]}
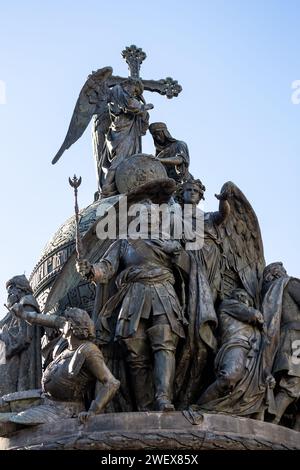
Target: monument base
{"type": "Point", "coordinates": [152, 431]}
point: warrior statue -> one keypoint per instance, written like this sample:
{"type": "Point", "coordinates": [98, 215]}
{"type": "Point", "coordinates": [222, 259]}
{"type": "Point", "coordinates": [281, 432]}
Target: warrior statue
{"type": "Point", "coordinates": [151, 317]}
{"type": "Point", "coordinates": [71, 379]}
{"type": "Point", "coordinates": [150, 320]}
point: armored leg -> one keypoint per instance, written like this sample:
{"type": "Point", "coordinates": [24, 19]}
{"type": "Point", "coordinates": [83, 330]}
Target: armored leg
{"type": "Point", "coordinates": [163, 343]}
{"type": "Point", "coordinates": [138, 360]}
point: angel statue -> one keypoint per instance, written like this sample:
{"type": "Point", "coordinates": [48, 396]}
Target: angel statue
{"type": "Point", "coordinates": [121, 118]}
{"type": "Point", "coordinates": [120, 115]}
{"type": "Point", "coordinates": [232, 253]}
{"type": "Point", "coordinates": [230, 259]}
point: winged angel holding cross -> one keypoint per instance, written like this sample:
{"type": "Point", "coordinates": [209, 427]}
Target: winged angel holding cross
{"type": "Point", "coordinates": [120, 115]}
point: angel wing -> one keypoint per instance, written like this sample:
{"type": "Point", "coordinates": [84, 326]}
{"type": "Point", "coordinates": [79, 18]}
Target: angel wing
{"type": "Point", "coordinates": [92, 100]}
{"type": "Point", "coordinates": [243, 246]}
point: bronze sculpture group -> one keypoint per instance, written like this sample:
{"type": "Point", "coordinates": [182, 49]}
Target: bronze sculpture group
{"type": "Point", "coordinates": [175, 326]}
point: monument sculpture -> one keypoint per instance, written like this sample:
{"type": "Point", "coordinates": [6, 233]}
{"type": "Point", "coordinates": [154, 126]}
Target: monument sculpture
{"type": "Point", "coordinates": [281, 299]}
{"type": "Point", "coordinates": [162, 325]}
{"type": "Point", "coordinates": [240, 328]}
{"type": "Point", "coordinates": [21, 369]}
{"type": "Point", "coordinates": [172, 153]}
{"type": "Point", "coordinates": [119, 109]}
{"type": "Point", "coordinates": [67, 380]}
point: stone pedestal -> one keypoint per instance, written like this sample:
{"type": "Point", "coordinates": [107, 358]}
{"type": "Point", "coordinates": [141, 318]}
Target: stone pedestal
{"type": "Point", "coordinates": [153, 431]}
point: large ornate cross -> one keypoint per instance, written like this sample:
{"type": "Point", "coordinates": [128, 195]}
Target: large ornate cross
{"type": "Point", "coordinates": [134, 57]}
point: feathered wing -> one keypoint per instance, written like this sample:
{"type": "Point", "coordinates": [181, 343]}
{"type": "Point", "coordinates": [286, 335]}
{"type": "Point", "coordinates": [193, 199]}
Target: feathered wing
{"type": "Point", "coordinates": [243, 246]}
{"type": "Point", "coordinates": [92, 100]}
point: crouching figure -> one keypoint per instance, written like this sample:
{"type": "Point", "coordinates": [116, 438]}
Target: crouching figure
{"type": "Point", "coordinates": [74, 375]}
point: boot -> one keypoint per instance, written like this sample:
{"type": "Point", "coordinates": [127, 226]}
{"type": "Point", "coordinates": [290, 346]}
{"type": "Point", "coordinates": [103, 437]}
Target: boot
{"type": "Point", "coordinates": [163, 343]}
{"type": "Point", "coordinates": [138, 360]}
{"type": "Point", "coordinates": [282, 401]}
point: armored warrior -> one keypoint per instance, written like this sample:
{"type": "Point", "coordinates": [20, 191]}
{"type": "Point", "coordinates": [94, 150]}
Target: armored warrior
{"type": "Point", "coordinates": [71, 378]}
{"type": "Point", "coordinates": [150, 318]}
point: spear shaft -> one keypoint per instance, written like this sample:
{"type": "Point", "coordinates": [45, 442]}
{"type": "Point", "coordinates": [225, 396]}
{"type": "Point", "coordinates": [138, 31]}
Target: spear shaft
{"type": "Point", "coordinates": [75, 183]}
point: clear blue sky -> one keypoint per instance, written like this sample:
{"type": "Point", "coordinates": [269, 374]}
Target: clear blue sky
{"type": "Point", "coordinates": [236, 61]}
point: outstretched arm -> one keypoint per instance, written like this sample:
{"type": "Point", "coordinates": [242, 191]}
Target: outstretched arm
{"type": "Point", "coordinates": [34, 318]}
{"type": "Point", "coordinates": [172, 161]}
{"type": "Point", "coordinates": [103, 271]}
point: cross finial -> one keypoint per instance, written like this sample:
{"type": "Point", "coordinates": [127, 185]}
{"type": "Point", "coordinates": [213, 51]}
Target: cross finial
{"type": "Point", "coordinates": [134, 57]}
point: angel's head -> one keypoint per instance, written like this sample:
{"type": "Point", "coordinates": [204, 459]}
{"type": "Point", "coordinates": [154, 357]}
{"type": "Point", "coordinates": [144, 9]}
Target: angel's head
{"type": "Point", "coordinates": [133, 86]}
{"type": "Point", "coordinates": [190, 192]}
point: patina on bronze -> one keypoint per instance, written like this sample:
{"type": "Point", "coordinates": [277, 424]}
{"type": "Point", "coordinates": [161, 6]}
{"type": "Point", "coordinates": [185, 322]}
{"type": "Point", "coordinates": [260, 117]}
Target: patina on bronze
{"type": "Point", "coordinates": [190, 337]}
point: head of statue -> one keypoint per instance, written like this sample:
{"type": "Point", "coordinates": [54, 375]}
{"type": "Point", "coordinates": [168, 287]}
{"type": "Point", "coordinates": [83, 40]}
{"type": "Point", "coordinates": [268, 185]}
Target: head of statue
{"type": "Point", "coordinates": [160, 133]}
{"type": "Point", "coordinates": [190, 192]}
{"type": "Point", "coordinates": [274, 271]}
{"type": "Point", "coordinates": [17, 287]}
{"type": "Point", "coordinates": [133, 86]}
{"type": "Point", "coordinates": [79, 324]}
{"type": "Point", "coordinates": [242, 296]}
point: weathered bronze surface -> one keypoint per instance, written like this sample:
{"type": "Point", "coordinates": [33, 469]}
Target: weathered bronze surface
{"type": "Point", "coordinates": [185, 326]}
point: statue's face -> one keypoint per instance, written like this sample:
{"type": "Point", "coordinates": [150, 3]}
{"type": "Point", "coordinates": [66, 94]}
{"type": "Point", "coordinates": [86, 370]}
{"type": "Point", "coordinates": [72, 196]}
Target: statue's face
{"type": "Point", "coordinates": [244, 298]}
{"type": "Point", "coordinates": [191, 194]}
{"type": "Point", "coordinates": [14, 294]}
{"type": "Point", "coordinates": [159, 137]}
